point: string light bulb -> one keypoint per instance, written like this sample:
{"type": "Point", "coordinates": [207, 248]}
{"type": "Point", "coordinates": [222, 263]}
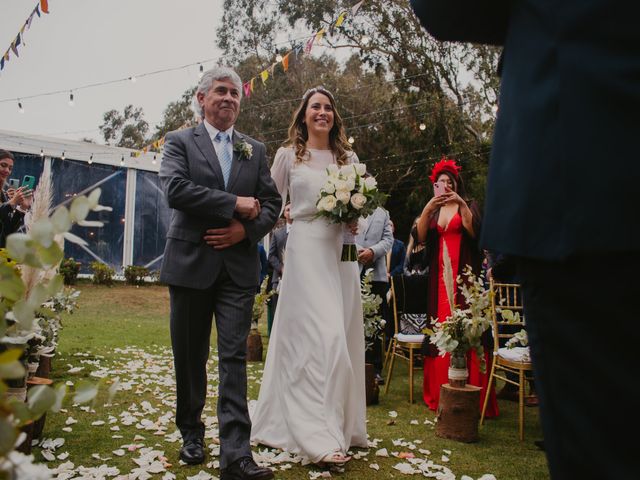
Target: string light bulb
{"type": "Point", "coordinates": [122, 161]}
{"type": "Point", "coordinates": [154, 159]}
{"type": "Point", "coordinates": [201, 72]}
{"type": "Point", "coordinates": [63, 157]}
{"type": "Point", "coordinates": [41, 153]}
{"type": "Point", "coordinates": [422, 126]}
{"type": "Point", "coordinates": [20, 107]}
{"type": "Point", "coordinates": [133, 79]}
{"type": "Point", "coordinates": [90, 159]}
{"type": "Point", "coordinates": [71, 101]}
{"type": "Point", "coordinates": [351, 140]}
{"type": "Point", "coordinates": [278, 58]}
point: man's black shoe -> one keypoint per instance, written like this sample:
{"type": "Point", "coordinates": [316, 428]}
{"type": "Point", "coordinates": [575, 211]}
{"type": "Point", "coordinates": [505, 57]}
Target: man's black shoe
{"type": "Point", "coordinates": [379, 379]}
{"type": "Point", "coordinates": [245, 469]}
{"type": "Point", "coordinates": [192, 451]}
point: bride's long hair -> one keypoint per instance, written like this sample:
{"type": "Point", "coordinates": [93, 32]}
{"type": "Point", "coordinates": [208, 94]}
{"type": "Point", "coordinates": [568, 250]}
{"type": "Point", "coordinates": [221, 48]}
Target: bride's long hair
{"type": "Point", "coordinates": [298, 134]}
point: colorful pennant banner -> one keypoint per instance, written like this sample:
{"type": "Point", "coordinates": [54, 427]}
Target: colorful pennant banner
{"type": "Point", "coordinates": [43, 5]}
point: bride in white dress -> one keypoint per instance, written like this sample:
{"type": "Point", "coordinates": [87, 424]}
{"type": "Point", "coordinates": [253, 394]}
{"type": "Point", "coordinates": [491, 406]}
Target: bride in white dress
{"type": "Point", "coordinates": [312, 399]}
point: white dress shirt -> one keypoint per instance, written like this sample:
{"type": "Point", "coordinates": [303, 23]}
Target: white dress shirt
{"type": "Point", "coordinates": [213, 131]}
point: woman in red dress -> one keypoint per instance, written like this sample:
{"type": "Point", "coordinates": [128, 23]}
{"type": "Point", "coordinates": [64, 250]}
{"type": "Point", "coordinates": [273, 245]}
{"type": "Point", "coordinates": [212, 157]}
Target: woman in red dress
{"type": "Point", "coordinates": [449, 218]}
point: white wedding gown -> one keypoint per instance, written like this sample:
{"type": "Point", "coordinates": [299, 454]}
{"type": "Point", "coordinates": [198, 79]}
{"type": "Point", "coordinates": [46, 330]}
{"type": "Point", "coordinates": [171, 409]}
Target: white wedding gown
{"type": "Point", "coordinates": [312, 399]}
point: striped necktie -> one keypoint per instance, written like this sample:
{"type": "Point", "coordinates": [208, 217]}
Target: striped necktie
{"type": "Point", "coordinates": [224, 156]}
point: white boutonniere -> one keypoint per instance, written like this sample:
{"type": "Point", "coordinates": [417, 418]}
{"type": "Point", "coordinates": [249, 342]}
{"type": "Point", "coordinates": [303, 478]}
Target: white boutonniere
{"type": "Point", "coordinates": [244, 148]}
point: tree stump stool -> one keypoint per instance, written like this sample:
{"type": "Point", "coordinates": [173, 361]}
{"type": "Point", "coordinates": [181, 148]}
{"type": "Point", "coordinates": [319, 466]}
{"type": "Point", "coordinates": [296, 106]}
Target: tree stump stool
{"type": "Point", "coordinates": [254, 347]}
{"type": "Point", "coordinates": [458, 413]}
{"type": "Point", "coordinates": [44, 367]}
{"type": "Point", "coordinates": [371, 384]}
{"type": "Point", "coordinates": [38, 425]}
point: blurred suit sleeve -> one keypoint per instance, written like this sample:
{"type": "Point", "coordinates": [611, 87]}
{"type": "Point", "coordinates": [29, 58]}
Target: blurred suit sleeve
{"type": "Point", "coordinates": [476, 21]}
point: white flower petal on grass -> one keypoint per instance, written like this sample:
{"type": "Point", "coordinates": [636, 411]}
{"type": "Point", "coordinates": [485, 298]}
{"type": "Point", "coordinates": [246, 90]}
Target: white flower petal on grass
{"type": "Point", "coordinates": [444, 458]}
{"type": "Point", "coordinates": [75, 369]}
{"type": "Point", "coordinates": [119, 452]}
{"type": "Point", "coordinates": [487, 476]}
{"type": "Point", "coordinates": [67, 429]}
{"type": "Point", "coordinates": [70, 421]}
{"type": "Point", "coordinates": [414, 422]}
{"type": "Point", "coordinates": [393, 414]}
{"type": "Point", "coordinates": [63, 456]}
{"type": "Point", "coordinates": [97, 423]}
{"type": "Point", "coordinates": [202, 475]}
{"type": "Point", "coordinates": [466, 477]}
{"type": "Point", "coordinates": [405, 468]}
{"type": "Point", "coordinates": [48, 455]}
{"type": "Point", "coordinates": [446, 452]}
{"type": "Point", "coordinates": [375, 466]}
{"type": "Point", "coordinates": [382, 453]}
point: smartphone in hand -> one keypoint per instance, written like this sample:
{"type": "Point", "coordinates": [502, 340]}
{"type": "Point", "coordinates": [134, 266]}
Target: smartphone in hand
{"type": "Point", "coordinates": [29, 181]}
{"type": "Point", "coordinates": [14, 183]}
{"type": "Point", "coordinates": [439, 189]}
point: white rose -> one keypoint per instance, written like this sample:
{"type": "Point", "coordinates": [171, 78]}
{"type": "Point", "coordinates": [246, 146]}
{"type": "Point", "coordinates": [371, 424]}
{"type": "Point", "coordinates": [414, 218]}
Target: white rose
{"type": "Point", "coordinates": [370, 183]}
{"type": "Point", "coordinates": [340, 185]}
{"type": "Point", "coordinates": [332, 169]}
{"type": "Point", "coordinates": [351, 184]}
{"type": "Point", "coordinates": [328, 203]}
{"type": "Point", "coordinates": [358, 200]}
{"type": "Point", "coordinates": [346, 170]}
{"type": "Point", "coordinates": [329, 187]}
{"type": "Point", "coordinates": [343, 196]}
{"type": "Point", "coordinates": [361, 168]}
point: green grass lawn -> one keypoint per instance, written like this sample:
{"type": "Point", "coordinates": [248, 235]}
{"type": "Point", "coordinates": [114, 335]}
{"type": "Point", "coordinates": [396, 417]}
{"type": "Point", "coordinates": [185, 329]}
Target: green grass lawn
{"type": "Point", "coordinates": [124, 332]}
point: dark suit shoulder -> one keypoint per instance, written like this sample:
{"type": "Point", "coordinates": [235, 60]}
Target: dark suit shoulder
{"type": "Point", "coordinates": [182, 134]}
{"type": "Point", "coordinates": [248, 139]}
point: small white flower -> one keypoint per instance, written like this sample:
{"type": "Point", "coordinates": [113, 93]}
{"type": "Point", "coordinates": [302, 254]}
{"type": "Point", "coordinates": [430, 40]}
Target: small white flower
{"type": "Point", "coordinates": [332, 169]}
{"type": "Point", "coordinates": [351, 183]}
{"type": "Point", "coordinates": [361, 168]}
{"type": "Point", "coordinates": [343, 196]}
{"type": "Point", "coordinates": [358, 200]}
{"type": "Point", "coordinates": [341, 185]}
{"type": "Point", "coordinates": [346, 170]}
{"type": "Point", "coordinates": [244, 148]}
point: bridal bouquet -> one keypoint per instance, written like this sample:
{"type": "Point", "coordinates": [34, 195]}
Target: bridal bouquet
{"type": "Point", "coordinates": [348, 194]}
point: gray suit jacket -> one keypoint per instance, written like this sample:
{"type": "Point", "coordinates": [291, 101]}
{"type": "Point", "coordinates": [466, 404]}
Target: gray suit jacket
{"type": "Point", "coordinates": [276, 249]}
{"type": "Point", "coordinates": [194, 187]}
{"type": "Point", "coordinates": [377, 236]}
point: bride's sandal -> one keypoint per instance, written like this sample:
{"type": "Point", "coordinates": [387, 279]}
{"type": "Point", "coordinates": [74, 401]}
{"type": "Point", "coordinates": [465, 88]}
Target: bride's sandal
{"type": "Point", "coordinates": [334, 458]}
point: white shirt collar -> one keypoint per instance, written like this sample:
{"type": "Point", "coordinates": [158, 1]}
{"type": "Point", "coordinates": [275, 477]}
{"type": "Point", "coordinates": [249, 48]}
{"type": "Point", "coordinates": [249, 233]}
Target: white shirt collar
{"type": "Point", "coordinates": [213, 131]}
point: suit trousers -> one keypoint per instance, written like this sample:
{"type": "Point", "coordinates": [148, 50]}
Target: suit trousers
{"type": "Point", "coordinates": [191, 318]}
{"type": "Point", "coordinates": [582, 320]}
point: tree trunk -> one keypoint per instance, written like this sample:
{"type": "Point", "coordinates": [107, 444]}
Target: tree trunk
{"type": "Point", "coordinates": [458, 413]}
{"type": "Point", "coordinates": [254, 347]}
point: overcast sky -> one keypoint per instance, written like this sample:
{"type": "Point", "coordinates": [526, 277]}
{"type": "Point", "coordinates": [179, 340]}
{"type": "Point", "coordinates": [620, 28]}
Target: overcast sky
{"type": "Point", "coordinates": [82, 42]}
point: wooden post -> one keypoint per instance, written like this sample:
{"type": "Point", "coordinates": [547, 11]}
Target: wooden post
{"type": "Point", "coordinates": [372, 388]}
{"type": "Point", "coordinates": [38, 425]}
{"type": "Point", "coordinates": [458, 413]}
{"type": "Point", "coordinates": [254, 347]}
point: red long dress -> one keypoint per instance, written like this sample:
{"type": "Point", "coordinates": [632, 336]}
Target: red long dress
{"type": "Point", "coordinates": [436, 369]}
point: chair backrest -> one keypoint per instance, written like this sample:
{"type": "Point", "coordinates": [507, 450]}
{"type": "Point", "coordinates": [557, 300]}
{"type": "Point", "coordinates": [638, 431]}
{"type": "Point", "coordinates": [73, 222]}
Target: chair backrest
{"type": "Point", "coordinates": [505, 296]}
{"type": "Point", "coordinates": [408, 297]}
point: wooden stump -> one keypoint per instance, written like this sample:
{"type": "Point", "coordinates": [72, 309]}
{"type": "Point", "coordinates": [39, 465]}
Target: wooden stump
{"type": "Point", "coordinates": [44, 368]}
{"type": "Point", "coordinates": [38, 425]}
{"type": "Point", "coordinates": [372, 388]}
{"type": "Point", "coordinates": [458, 413]}
{"type": "Point", "coordinates": [25, 446]}
{"type": "Point", "coordinates": [254, 347]}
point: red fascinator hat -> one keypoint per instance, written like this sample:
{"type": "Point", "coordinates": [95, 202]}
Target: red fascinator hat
{"type": "Point", "coordinates": [445, 165]}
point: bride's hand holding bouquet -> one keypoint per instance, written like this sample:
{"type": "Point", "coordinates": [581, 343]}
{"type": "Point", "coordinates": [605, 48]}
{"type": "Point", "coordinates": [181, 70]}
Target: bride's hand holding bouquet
{"type": "Point", "coordinates": [349, 194]}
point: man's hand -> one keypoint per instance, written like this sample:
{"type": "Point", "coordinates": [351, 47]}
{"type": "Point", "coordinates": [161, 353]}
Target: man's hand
{"type": "Point", "coordinates": [365, 256]}
{"type": "Point", "coordinates": [247, 207]}
{"type": "Point", "coordinates": [287, 213]}
{"type": "Point", "coordinates": [221, 238]}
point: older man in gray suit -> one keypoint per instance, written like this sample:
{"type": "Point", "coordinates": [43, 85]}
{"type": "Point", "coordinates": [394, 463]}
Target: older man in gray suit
{"type": "Point", "coordinates": [374, 241]}
{"type": "Point", "coordinates": [224, 201]}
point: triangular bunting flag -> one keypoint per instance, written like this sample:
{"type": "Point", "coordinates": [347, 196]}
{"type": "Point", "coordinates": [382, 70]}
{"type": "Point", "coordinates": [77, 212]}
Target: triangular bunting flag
{"type": "Point", "coordinates": [340, 20]}
{"type": "Point", "coordinates": [44, 6]}
{"type": "Point", "coordinates": [297, 50]}
{"type": "Point", "coordinates": [14, 45]}
{"type": "Point", "coordinates": [271, 69]}
{"type": "Point", "coordinates": [247, 89]}
{"type": "Point", "coordinates": [37, 10]}
{"type": "Point", "coordinates": [309, 45]}
{"type": "Point", "coordinates": [6, 55]}
{"type": "Point", "coordinates": [252, 84]}
{"type": "Point", "coordinates": [1, 63]}
{"type": "Point", "coordinates": [30, 19]}
{"type": "Point", "coordinates": [285, 62]}
{"type": "Point", "coordinates": [264, 75]}
{"type": "Point", "coordinates": [356, 7]}
{"type": "Point", "coordinates": [319, 35]}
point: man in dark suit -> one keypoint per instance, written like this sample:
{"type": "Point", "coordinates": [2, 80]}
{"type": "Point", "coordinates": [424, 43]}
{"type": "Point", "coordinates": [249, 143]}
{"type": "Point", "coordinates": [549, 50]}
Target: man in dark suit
{"type": "Point", "coordinates": [224, 201]}
{"type": "Point", "coordinates": [561, 197]}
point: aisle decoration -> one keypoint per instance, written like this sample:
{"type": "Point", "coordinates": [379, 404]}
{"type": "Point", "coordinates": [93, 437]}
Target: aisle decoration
{"type": "Point", "coordinates": [43, 6]}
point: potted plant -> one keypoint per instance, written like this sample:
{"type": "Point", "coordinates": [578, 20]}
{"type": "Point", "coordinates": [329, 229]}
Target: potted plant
{"type": "Point", "coordinates": [254, 340]}
{"type": "Point", "coordinates": [458, 409]}
{"type": "Point", "coordinates": [373, 328]}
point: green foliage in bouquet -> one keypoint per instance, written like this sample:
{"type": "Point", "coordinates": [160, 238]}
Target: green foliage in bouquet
{"type": "Point", "coordinates": [102, 273]}
{"type": "Point", "coordinates": [260, 302]}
